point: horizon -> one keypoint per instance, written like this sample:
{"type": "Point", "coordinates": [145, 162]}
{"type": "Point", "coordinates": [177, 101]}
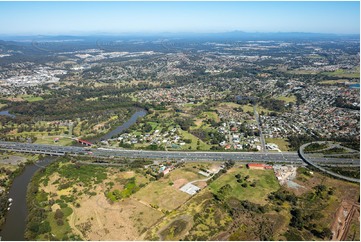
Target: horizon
{"type": "Point", "coordinates": [165, 33]}
{"type": "Point", "coordinates": [149, 18]}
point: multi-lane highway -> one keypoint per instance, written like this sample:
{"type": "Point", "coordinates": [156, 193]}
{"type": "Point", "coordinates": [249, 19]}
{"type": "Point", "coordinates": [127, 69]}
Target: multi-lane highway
{"type": "Point", "coordinates": [288, 157]}
{"type": "Point", "coordinates": [311, 162]}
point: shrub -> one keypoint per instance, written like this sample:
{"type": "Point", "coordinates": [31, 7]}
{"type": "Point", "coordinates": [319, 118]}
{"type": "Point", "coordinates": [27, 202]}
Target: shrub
{"type": "Point", "coordinates": [58, 214]}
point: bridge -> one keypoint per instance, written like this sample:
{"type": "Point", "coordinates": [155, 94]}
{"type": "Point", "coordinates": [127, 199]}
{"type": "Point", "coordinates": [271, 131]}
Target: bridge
{"type": "Point", "coordinates": [306, 159]}
{"type": "Point", "coordinates": [278, 157]}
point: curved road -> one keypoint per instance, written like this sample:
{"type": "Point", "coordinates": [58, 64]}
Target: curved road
{"type": "Point", "coordinates": [308, 161]}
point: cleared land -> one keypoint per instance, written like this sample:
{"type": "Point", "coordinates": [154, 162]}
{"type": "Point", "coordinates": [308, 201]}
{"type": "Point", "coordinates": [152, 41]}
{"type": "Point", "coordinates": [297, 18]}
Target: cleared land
{"type": "Point", "coordinates": [283, 145]}
{"type": "Point", "coordinates": [330, 82]}
{"type": "Point", "coordinates": [265, 181]}
{"type": "Point", "coordinates": [165, 192]}
{"type": "Point", "coordinates": [288, 99]}
{"type": "Point", "coordinates": [344, 73]}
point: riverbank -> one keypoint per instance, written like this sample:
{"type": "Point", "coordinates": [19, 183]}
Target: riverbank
{"type": "Point", "coordinates": [17, 216]}
{"type": "Point", "coordinates": [15, 220]}
{"type": "Point", "coordinates": [11, 165]}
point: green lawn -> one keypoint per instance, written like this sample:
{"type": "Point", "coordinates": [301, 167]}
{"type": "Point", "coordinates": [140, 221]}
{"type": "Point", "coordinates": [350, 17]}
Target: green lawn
{"type": "Point", "coordinates": [247, 108]}
{"type": "Point", "coordinates": [212, 115]}
{"type": "Point", "coordinates": [330, 82]}
{"type": "Point", "coordinates": [31, 98]}
{"type": "Point", "coordinates": [50, 140]}
{"type": "Point", "coordinates": [231, 104]}
{"type": "Point", "coordinates": [266, 183]}
{"type": "Point", "coordinates": [186, 135]}
{"type": "Point", "coordinates": [287, 99]}
{"type": "Point", "coordinates": [282, 143]}
{"type": "Point", "coordinates": [344, 73]}
{"type": "Point", "coordinates": [60, 231]}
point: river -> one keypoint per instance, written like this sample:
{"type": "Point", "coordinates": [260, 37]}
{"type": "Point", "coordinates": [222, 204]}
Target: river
{"type": "Point", "coordinates": [6, 113]}
{"type": "Point", "coordinates": [139, 113]}
{"type": "Point", "coordinates": [14, 226]}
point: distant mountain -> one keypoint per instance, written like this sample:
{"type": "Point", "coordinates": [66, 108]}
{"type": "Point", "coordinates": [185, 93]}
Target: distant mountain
{"type": "Point", "coordinates": [233, 35]}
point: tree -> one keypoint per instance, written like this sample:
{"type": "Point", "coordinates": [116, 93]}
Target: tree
{"type": "Point", "coordinates": [58, 214]}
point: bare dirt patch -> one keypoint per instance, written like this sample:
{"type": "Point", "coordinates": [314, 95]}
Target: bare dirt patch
{"type": "Point", "coordinates": [200, 184]}
{"type": "Point", "coordinates": [179, 183]}
{"type": "Point", "coordinates": [343, 218]}
{"type": "Point", "coordinates": [97, 219]}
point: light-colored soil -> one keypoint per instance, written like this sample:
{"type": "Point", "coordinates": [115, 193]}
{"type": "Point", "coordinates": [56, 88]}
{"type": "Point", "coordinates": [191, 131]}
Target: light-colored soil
{"type": "Point", "coordinates": [162, 194]}
{"type": "Point", "coordinates": [343, 217]}
{"type": "Point", "coordinates": [200, 184]}
{"type": "Point", "coordinates": [124, 220]}
{"type": "Point", "coordinates": [179, 183]}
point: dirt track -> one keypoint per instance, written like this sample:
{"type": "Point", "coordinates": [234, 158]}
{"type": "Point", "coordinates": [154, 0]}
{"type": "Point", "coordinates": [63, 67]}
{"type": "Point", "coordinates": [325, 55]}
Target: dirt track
{"type": "Point", "coordinates": [343, 217]}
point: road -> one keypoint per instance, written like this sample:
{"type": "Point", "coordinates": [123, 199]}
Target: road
{"type": "Point", "coordinates": [306, 158]}
{"type": "Point", "coordinates": [261, 137]}
{"type": "Point", "coordinates": [287, 157]}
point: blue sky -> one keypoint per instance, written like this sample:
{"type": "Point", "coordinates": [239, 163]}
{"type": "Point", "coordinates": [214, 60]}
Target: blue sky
{"type": "Point", "coordinates": [127, 17]}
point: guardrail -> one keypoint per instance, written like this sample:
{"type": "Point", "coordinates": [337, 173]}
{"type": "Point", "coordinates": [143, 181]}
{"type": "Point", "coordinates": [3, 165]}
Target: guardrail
{"type": "Point", "coordinates": [305, 159]}
{"type": "Point", "coordinates": [34, 151]}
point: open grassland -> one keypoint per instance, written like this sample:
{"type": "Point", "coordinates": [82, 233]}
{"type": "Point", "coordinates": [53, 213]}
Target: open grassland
{"type": "Point", "coordinates": [161, 194]}
{"type": "Point", "coordinates": [330, 82]}
{"type": "Point", "coordinates": [77, 189]}
{"type": "Point", "coordinates": [212, 115]}
{"type": "Point", "coordinates": [230, 104]}
{"type": "Point", "coordinates": [247, 108]}
{"type": "Point", "coordinates": [287, 99]}
{"type": "Point", "coordinates": [265, 181]}
{"type": "Point", "coordinates": [302, 72]}
{"type": "Point", "coordinates": [355, 73]}
{"type": "Point", "coordinates": [194, 140]}
{"type": "Point", "coordinates": [283, 145]}
{"type": "Point", "coordinates": [198, 219]}
{"type": "Point", "coordinates": [63, 141]}
{"type": "Point", "coordinates": [165, 192]}
{"type": "Point", "coordinates": [241, 204]}
{"type": "Point", "coordinates": [29, 98]}
{"type": "Point", "coordinates": [32, 98]}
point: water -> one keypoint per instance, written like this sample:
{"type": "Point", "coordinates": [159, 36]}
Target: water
{"type": "Point", "coordinates": [139, 113]}
{"type": "Point", "coordinates": [6, 113]}
{"type": "Point", "coordinates": [355, 86]}
{"type": "Point", "coordinates": [14, 226]}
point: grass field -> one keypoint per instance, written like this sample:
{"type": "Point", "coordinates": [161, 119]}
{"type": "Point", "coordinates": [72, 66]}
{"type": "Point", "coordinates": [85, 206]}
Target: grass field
{"type": "Point", "coordinates": [50, 140]}
{"type": "Point", "coordinates": [2, 105]}
{"type": "Point", "coordinates": [330, 82]}
{"type": "Point", "coordinates": [343, 73]}
{"type": "Point", "coordinates": [60, 231]}
{"type": "Point", "coordinates": [247, 108]}
{"type": "Point", "coordinates": [301, 72]}
{"type": "Point", "coordinates": [283, 145]}
{"type": "Point", "coordinates": [230, 104]}
{"type": "Point", "coordinates": [161, 194]}
{"type": "Point", "coordinates": [31, 98]}
{"type": "Point", "coordinates": [287, 99]}
{"type": "Point", "coordinates": [202, 145]}
{"type": "Point", "coordinates": [266, 183]}
{"type": "Point", "coordinates": [165, 192]}
{"type": "Point", "coordinates": [212, 115]}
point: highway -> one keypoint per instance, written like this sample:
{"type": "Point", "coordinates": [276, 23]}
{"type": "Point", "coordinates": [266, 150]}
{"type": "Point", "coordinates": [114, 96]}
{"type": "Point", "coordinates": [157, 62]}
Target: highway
{"type": "Point", "coordinates": [312, 163]}
{"type": "Point", "coordinates": [287, 157]}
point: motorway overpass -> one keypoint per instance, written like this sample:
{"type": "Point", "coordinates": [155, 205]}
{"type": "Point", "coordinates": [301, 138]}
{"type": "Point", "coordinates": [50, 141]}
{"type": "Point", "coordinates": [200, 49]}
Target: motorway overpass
{"type": "Point", "coordinates": [307, 159]}
{"type": "Point", "coordinates": [286, 157]}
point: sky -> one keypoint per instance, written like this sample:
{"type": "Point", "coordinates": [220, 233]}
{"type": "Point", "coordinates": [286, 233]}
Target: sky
{"type": "Point", "coordinates": [33, 18]}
